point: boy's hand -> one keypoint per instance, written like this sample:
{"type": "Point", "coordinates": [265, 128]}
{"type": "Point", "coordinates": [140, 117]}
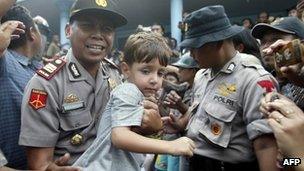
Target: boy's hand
{"type": "Point", "coordinates": [182, 146]}
{"type": "Point", "coordinates": [8, 31]}
{"type": "Point", "coordinates": [151, 122]}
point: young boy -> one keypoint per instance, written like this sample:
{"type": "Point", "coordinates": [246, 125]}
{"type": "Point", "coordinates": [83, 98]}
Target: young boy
{"type": "Point", "coordinates": [117, 147]}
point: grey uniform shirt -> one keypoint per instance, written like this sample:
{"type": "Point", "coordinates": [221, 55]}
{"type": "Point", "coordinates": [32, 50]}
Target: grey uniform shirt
{"type": "Point", "coordinates": [70, 103]}
{"type": "Point", "coordinates": [124, 109]}
{"type": "Point", "coordinates": [225, 110]}
{"type": "Point", "coordinates": [3, 160]}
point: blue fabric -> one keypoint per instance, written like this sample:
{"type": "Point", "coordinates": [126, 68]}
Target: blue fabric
{"type": "Point", "coordinates": [15, 71]}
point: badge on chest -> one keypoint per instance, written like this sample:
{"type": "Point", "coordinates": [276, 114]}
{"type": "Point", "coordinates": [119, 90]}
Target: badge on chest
{"type": "Point", "coordinates": [72, 102]}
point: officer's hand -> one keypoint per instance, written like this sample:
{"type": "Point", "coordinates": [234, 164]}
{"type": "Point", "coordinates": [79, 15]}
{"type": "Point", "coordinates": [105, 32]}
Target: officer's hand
{"type": "Point", "coordinates": [151, 122]}
{"type": "Point", "coordinates": [10, 30]}
{"type": "Point", "coordinates": [60, 164]}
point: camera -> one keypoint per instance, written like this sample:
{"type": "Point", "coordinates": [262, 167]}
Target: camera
{"type": "Point", "coordinates": [290, 54]}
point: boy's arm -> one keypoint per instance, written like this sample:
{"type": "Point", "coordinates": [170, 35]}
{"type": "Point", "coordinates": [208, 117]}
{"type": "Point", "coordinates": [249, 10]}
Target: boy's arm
{"type": "Point", "coordinates": [266, 151]}
{"type": "Point", "coordinates": [125, 139]}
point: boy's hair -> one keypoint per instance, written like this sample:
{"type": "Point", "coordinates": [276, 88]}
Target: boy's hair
{"type": "Point", "coordinates": [22, 14]}
{"type": "Point", "coordinates": [144, 47]}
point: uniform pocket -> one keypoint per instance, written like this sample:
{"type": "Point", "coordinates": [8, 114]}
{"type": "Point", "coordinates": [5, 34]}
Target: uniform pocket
{"type": "Point", "coordinates": [217, 124]}
{"type": "Point", "coordinates": [75, 119]}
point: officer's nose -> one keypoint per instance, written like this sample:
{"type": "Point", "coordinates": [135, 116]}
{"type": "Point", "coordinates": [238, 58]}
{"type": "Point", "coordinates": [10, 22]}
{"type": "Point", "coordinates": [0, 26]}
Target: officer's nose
{"type": "Point", "coordinates": [97, 35]}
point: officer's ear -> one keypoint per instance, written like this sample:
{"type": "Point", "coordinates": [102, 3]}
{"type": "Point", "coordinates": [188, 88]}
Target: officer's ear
{"type": "Point", "coordinates": [33, 34]}
{"type": "Point", "coordinates": [125, 69]}
{"type": "Point", "coordinates": [68, 30]}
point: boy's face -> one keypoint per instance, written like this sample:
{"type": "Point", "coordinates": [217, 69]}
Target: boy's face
{"type": "Point", "coordinates": [148, 77]}
{"type": "Point", "coordinates": [91, 38]}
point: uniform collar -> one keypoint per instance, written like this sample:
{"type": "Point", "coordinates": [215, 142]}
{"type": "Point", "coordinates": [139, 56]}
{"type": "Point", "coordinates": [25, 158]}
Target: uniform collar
{"type": "Point", "coordinates": [230, 66]}
{"type": "Point", "coordinates": [23, 60]}
{"type": "Point", "coordinates": [75, 70]}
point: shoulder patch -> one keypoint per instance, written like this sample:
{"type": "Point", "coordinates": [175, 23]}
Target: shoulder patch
{"type": "Point", "coordinates": [37, 99]}
{"type": "Point", "coordinates": [50, 69]}
{"type": "Point", "coordinates": [112, 64]}
{"type": "Point", "coordinates": [267, 85]}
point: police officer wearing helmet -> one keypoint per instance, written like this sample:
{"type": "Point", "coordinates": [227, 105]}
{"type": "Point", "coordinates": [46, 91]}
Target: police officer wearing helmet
{"type": "Point", "coordinates": [224, 119]}
{"type": "Point", "coordinates": [65, 99]}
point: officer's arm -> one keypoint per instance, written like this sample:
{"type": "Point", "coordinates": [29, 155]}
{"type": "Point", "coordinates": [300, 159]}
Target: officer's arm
{"type": "Point", "coordinates": [39, 158]}
{"type": "Point", "coordinates": [266, 151]}
{"type": "Point", "coordinates": [258, 130]}
{"type": "Point", "coordinates": [42, 159]}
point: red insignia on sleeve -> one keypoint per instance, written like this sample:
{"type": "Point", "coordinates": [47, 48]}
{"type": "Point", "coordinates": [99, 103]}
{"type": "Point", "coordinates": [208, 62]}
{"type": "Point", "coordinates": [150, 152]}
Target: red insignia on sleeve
{"type": "Point", "coordinates": [267, 84]}
{"type": "Point", "coordinates": [38, 99]}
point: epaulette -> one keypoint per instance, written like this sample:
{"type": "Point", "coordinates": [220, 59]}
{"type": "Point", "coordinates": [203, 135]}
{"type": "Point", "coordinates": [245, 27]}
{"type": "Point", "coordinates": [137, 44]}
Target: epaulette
{"type": "Point", "coordinates": [51, 68]}
{"type": "Point", "coordinates": [252, 62]}
{"type": "Point", "coordinates": [112, 64]}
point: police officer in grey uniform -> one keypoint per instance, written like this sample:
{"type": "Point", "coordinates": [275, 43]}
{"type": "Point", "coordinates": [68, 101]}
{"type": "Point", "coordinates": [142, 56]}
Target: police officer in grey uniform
{"type": "Point", "coordinates": [224, 120]}
{"type": "Point", "coordinates": [65, 99]}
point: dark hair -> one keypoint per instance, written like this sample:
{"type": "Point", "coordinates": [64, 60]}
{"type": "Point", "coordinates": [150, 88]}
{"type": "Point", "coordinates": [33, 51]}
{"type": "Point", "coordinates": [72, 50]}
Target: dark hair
{"type": "Point", "coordinates": [263, 12]}
{"type": "Point", "coordinates": [144, 47]}
{"type": "Point", "coordinates": [22, 14]}
{"type": "Point", "coordinates": [161, 26]}
{"type": "Point", "coordinates": [250, 21]}
{"type": "Point", "coordinates": [251, 45]}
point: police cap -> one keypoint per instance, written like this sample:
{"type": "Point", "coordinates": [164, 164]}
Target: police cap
{"type": "Point", "coordinates": [107, 8]}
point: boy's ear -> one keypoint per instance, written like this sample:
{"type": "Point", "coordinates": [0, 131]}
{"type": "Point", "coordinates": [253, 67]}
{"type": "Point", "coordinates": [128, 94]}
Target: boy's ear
{"type": "Point", "coordinates": [125, 69]}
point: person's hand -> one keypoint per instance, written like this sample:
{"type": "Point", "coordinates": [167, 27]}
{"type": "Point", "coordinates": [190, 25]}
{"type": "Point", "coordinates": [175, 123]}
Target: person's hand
{"type": "Point", "coordinates": [275, 47]}
{"type": "Point", "coordinates": [60, 164]}
{"type": "Point", "coordinates": [174, 101]}
{"type": "Point", "coordinates": [287, 122]}
{"type": "Point", "coordinates": [172, 124]}
{"type": "Point", "coordinates": [151, 121]}
{"type": "Point", "coordinates": [294, 73]}
{"type": "Point", "coordinates": [182, 146]}
{"type": "Point", "coordinates": [8, 31]}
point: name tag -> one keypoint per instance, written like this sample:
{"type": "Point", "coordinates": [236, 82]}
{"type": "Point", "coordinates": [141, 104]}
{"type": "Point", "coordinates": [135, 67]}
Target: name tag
{"type": "Point", "coordinates": [66, 107]}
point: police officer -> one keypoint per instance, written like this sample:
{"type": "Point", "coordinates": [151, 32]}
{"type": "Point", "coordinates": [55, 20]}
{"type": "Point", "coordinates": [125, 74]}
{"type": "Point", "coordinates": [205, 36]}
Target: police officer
{"type": "Point", "coordinates": [187, 68]}
{"type": "Point", "coordinates": [224, 120]}
{"type": "Point", "coordinates": [65, 99]}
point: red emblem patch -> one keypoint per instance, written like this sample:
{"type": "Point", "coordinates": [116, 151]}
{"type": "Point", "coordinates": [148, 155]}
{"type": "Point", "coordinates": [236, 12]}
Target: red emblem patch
{"type": "Point", "coordinates": [267, 84]}
{"type": "Point", "coordinates": [38, 99]}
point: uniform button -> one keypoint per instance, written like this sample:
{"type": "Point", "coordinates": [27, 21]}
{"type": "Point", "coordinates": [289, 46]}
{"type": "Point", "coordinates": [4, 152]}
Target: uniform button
{"type": "Point", "coordinates": [77, 139]}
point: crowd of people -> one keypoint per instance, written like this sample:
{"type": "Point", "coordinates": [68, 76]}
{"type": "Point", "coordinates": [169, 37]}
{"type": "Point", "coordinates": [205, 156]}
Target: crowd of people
{"type": "Point", "coordinates": [228, 97]}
